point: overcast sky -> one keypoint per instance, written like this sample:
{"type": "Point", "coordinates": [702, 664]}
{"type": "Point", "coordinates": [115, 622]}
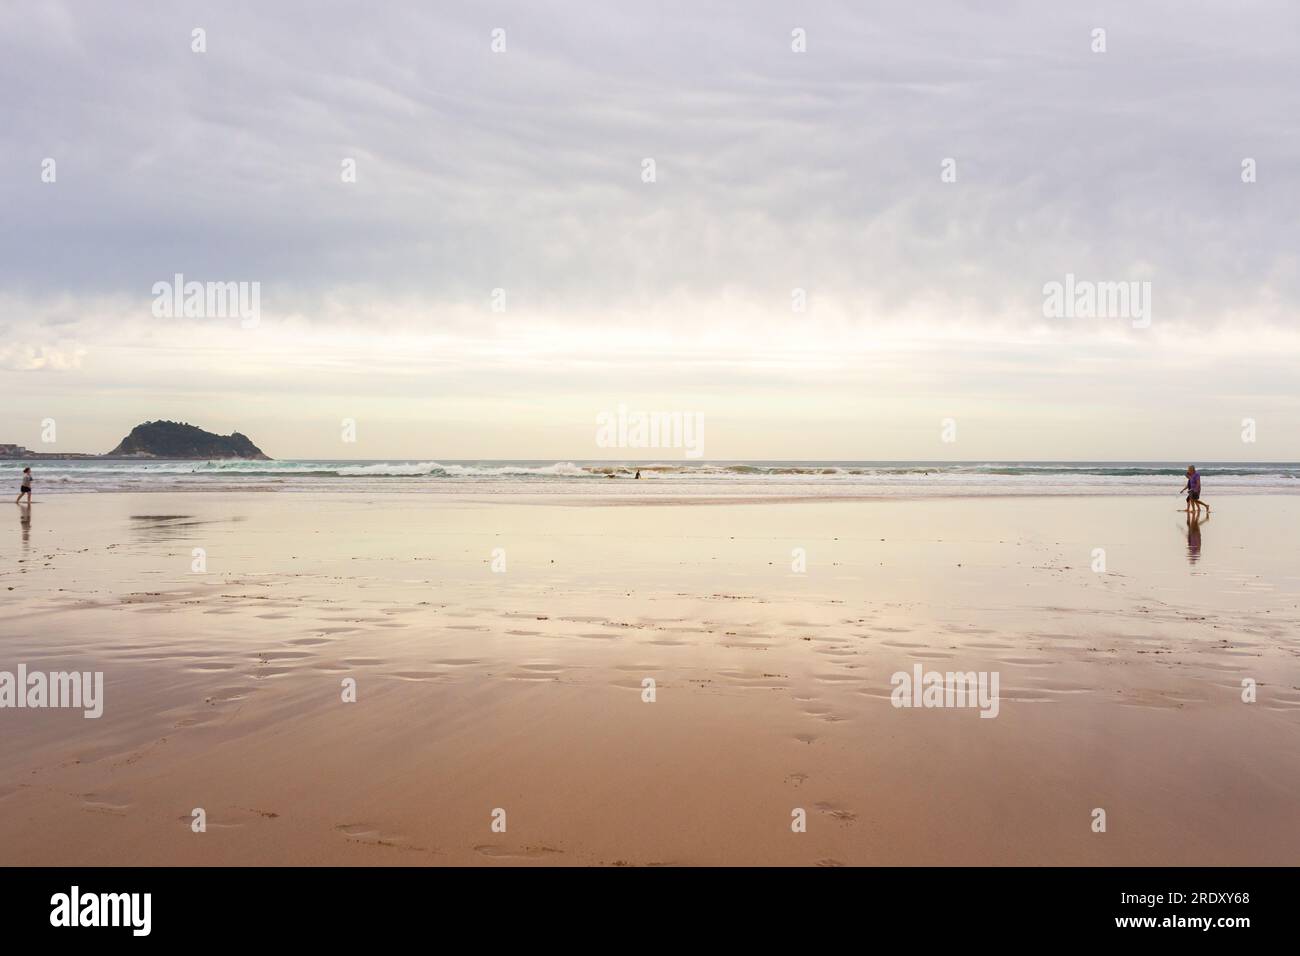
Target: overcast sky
{"type": "Point", "coordinates": [775, 170]}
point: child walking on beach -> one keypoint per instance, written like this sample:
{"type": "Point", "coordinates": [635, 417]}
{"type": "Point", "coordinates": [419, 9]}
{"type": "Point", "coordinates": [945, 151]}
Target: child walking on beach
{"type": "Point", "coordinates": [26, 487]}
{"type": "Point", "coordinates": [1193, 489]}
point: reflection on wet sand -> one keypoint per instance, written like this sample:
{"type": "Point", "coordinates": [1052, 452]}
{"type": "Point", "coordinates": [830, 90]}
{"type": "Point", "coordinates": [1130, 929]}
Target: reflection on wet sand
{"type": "Point", "coordinates": [523, 688]}
{"type": "Point", "coordinates": [1194, 537]}
{"type": "Point", "coordinates": [159, 528]}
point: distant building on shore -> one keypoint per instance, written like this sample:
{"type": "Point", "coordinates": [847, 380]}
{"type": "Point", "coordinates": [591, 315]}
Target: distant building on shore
{"type": "Point", "coordinates": [13, 451]}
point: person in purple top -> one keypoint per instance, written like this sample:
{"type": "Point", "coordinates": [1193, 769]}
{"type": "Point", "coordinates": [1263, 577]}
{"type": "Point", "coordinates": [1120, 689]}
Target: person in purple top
{"type": "Point", "coordinates": [1193, 489]}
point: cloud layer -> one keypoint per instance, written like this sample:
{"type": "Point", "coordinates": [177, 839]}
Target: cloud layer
{"type": "Point", "coordinates": [775, 170]}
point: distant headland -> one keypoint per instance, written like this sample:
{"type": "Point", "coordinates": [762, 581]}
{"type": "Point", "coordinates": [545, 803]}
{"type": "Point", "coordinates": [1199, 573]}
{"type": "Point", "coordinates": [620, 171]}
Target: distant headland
{"type": "Point", "coordinates": [174, 440]}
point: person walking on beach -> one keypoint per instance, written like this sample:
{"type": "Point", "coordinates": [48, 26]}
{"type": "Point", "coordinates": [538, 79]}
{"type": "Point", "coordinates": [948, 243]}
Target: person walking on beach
{"type": "Point", "coordinates": [1193, 489]}
{"type": "Point", "coordinates": [26, 487]}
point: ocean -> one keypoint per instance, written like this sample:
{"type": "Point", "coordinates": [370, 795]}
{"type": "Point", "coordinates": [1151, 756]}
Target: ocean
{"type": "Point", "coordinates": [677, 478]}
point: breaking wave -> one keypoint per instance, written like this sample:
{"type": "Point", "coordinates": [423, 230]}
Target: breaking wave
{"type": "Point", "coordinates": [992, 477]}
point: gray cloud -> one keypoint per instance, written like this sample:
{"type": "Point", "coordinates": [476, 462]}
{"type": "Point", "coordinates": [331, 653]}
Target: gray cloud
{"type": "Point", "coordinates": [776, 169]}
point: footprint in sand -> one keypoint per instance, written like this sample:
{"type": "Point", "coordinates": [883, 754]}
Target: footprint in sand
{"type": "Point", "coordinates": [102, 803]}
{"type": "Point", "coordinates": [837, 678]}
{"type": "Point", "coordinates": [373, 836]}
{"type": "Point", "coordinates": [188, 820]}
{"type": "Point", "coordinates": [649, 863]}
{"type": "Point", "coordinates": [226, 695]}
{"type": "Point", "coordinates": [231, 819]}
{"type": "Point", "coordinates": [263, 656]}
{"type": "Point", "coordinates": [634, 684]}
{"type": "Point", "coordinates": [506, 853]}
{"type": "Point", "coordinates": [416, 675]}
{"type": "Point", "coordinates": [839, 813]}
{"type": "Point", "coordinates": [196, 721]}
{"type": "Point", "coordinates": [267, 672]}
{"type": "Point", "coordinates": [539, 672]}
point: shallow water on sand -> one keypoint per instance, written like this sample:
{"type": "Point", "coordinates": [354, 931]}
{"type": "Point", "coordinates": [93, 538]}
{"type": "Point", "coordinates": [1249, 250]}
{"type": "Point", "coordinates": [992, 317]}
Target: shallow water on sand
{"type": "Point", "coordinates": [500, 650]}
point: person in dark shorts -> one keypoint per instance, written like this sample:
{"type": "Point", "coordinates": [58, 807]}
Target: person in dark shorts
{"type": "Point", "coordinates": [1193, 489]}
{"type": "Point", "coordinates": [26, 487]}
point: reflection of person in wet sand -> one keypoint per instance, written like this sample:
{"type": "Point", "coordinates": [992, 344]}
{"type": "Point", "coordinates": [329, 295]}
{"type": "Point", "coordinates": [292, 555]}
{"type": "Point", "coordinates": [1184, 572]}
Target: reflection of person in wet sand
{"type": "Point", "coordinates": [1194, 536]}
{"type": "Point", "coordinates": [25, 520]}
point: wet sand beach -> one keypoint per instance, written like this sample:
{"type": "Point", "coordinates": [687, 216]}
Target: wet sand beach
{"type": "Point", "coordinates": [500, 647]}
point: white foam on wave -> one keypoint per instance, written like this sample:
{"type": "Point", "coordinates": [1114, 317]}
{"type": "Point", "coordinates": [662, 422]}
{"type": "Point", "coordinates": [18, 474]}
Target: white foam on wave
{"type": "Point", "coordinates": [690, 477]}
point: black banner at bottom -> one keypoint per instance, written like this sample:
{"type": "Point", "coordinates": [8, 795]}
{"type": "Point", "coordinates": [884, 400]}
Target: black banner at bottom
{"type": "Point", "coordinates": [333, 905]}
